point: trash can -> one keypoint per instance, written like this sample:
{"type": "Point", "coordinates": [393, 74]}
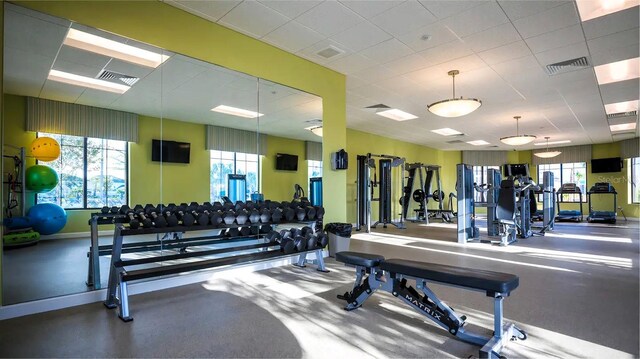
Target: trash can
{"type": "Point", "coordinates": [339, 237]}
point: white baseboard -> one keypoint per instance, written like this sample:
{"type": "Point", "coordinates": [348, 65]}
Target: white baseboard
{"type": "Point", "coordinates": [72, 300]}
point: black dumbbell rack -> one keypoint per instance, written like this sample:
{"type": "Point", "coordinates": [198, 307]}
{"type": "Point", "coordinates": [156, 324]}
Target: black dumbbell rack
{"type": "Point", "coordinates": [120, 271]}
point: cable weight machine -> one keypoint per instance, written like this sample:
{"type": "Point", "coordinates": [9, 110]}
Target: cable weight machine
{"type": "Point", "coordinates": [366, 166]}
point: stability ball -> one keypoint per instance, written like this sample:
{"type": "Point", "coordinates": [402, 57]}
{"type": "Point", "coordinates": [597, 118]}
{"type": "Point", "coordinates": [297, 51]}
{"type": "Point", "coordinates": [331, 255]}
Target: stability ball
{"type": "Point", "coordinates": [41, 179]}
{"type": "Point", "coordinates": [47, 218]}
{"type": "Point", "coordinates": [45, 149]}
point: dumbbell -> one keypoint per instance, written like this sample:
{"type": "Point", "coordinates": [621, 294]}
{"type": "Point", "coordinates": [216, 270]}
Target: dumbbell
{"type": "Point", "coordinates": [306, 231]}
{"type": "Point", "coordinates": [300, 213]}
{"type": "Point", "coordinates": [265, 228]}
{"type": "Point", "coordinates": [245, 231]}
{"type": "Point", "coordinates": [229, 217]}
{"type": "Point", "coordinates": [124, 209]}
{"type": "Point", "coordinates": [321, 240]}
{"type": "Point", "coordinates": [158, 220]}
{"type": "Point", "coordinates": [148, 208]}
{"type": "Point", "coordinates": [265, 215]}
{"type": "Point", "coordinates": [255, 230]}
{"type": "Point", "coordinates": [311, 212]}
{"type": "Point", "coordinates": [171, 218]}
{"type": "Point", "coordinates": [215, 218]}
{"type": "Point", "coordinates": [105, 210]}
{"type": "Point", "coordinates": [288, 214]}
{"type": "Point", "coordinates": [239, 205]}
{"type": "Point", "coordinates": [241, 217]}
{"type": "Point", "coordinates": [133, 222]}
{"type": "Point", "coordinates": [217, 206]}
{"type": "Point", "coordinates": [254, 216]}
{"type": "Point", "coordinates": [232, 232]}
{"type": "Point", "coordinates": [187, 218]}
{"type": "Point", "coordinates": [201, 218]}
{"type": "Point", "coordinates": [249, 205]}
{"type": "Point", "coordinates": [276, 215]}
{"type": "Point", "coordinates": [319, 212]}
{"type": "Point", "coordinates": [228, 206]}
{"type": "Point", "coordinates": [138, 208]}
{"type": "Point", "coordinates": [146, 222]}
{"type": "Point", "coordinates": [286, 243]}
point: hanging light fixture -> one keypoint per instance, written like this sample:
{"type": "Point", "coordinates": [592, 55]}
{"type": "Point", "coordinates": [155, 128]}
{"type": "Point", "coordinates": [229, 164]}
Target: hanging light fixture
{"type": "Point", "coordinates": [518, 139]}
{"type": "Point", "coordinates": [317, 130]}
{"type": "Point", "coordinates": [547, 154]}
{"type": "Point", "coordinates": [454, 107]}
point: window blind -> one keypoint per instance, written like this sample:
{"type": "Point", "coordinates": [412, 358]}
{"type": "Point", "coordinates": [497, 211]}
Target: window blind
{"type": "Point", "coordinates": [630, 148]}
{"type": "Point", "coordinates": [484, 158]}
{"type": "Point", "coordinates": [234, 140]}
{"type": "Point", "coordinates": [569, 154]}
{"type": "Point", "coordinates": [314, 151]}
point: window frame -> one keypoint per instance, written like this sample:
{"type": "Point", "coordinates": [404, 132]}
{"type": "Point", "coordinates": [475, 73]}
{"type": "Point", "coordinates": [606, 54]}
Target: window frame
{"type": "Point", "coordinates": [561, 171]}
{"type": "Point", "coordinates": [85, 171]}
{"type": "Point", "coordinates": [235, 161]}
{"type": "Point", "coordinates": [479, 197]}
{"type": "Point", "coordinates": [635, 187]}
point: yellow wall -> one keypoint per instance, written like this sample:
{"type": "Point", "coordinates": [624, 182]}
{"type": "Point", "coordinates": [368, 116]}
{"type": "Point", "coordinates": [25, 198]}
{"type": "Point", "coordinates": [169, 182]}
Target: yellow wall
{"type": "Point", "coordinates": [279, 185]}
{"type": "Point", "coordinates": [361, 143]}
{"type": "Point", "coordinates": [173, 29]}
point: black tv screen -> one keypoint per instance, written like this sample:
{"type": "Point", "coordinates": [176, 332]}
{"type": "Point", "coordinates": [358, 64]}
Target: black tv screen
{"type": "Point", "coordinates": [521, 169]}
{"type": "Point", "coordinates": [170, 151]}
{"type": "Point", "coordinates": [286, 162]}
{"type": "Point", "coordinates": [606, 165]}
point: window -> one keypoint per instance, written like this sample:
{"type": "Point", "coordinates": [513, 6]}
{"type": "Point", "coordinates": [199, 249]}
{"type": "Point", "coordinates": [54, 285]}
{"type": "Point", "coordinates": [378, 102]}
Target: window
{"type": "Point", "coordinates": [92, 173]}
{"type": "Point", "coordinates": [567, 173]}
{"type": "Point", "coordinates": [635, 180]}
{"type": "Point", "coordinates": [224, 163]}
{"type": "Point", "coordinates": [314, 168]}
{"type": "Point", "coordinates": [480, 177]}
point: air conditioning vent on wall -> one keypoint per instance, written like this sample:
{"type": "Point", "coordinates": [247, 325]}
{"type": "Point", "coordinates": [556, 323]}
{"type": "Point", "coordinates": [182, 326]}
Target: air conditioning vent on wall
{"type": "Point", "coordinates": [117, 77]}
{"type": "Point", "coordinates": [568, 65]}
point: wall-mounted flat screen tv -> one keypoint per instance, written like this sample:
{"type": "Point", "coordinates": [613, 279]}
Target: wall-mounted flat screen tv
{"type": "Point", "coordinates": [170, 151]}
{"type": "Point", "coordinates": [606, 165]}
{"type": "Point", "coordinates": [286, 162]}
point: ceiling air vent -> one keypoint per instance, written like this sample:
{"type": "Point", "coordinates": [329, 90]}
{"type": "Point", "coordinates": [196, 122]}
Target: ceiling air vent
{"type": "Point", "coordinates": [117, 77]}
{"type": "Point", "coordinates": [329, 52]}
{"type": "Point", "coordinates": [622, 114]}
{"type": "Point", "coordinates": [454, 141]}
{"type": "Point", "coordinates": [315, 121]}
{"type": "Point", "coordinates": [568, 65]}
{"type": "Point", "coordinates": [380, 105]}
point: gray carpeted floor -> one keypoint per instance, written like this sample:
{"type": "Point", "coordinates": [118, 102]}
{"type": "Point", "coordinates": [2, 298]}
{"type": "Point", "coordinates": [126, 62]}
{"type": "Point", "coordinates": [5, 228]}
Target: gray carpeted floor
{"type": "Point", "coordinates": [578, 297]}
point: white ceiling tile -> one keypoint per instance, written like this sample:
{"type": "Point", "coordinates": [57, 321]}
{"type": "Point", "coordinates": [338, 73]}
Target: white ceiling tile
{"type": "Point", "coordinates": [374, 74]}
{"type": "Point", "coordinates": [445, 52]}
{"type": "Point", "coordinates": [446, 8]}
{"type": "Point", "coordinates": [619, 54]}
{"type": "Point", "coordinates": [524, 66]}
{"type": "Point", "coordinates": [620, 91]}
{"type": "Point", "coordinates": [387, 51]}
{"type": "Point", "coordinates": [562, 54]}
{"type": "Point", "coordinates": [25, 72]}
{"type": "Point", "coordinates": [612, 23]}
{"type": "Point", "coordinates": [492, 38]}
{"type": "Point", "coordinates": [351, 63]}
{"type": "Point", "coordinates": [293, 37]}
{"type": "Point", "coordinates": [210, 10]}
{"type": "Point", "coordinates": [555, 39]}
{"type": "Point", "coordinates": [290, 8]}
{"type": "Point", "coordinates": [361, 36]}
{"type": "Point", "coordinates": [59, 91]}
{"type": "Point", "coordinates": [399, 84]}
{"type": "Point", "coordinates": [96, 98]}
{"type": "Point", "coordinates": [615, 47]}
{"type": "Point", "coordinates": [329, 18]}
{"type": "Point", "coordinates": [549, 20]}
{"type": "Point", "coordinates": [518, 9]}
{"type": "Point", "coordinates": [354, 82]}
{"type": "Point", "coordinates": [477, 19]}
{"type": "Point", "coordinates": [369, 9]}
{"type": "Point", "coordinates": [32, 34]}
{"type": "Point", "coordinates": [403, 18]}
{"type": "Point", "coordinates": [463, 64]}
{"type": "Point", "coordinates": [251, 17]}
{"type": "Point", "coordinates": [406, 64]}
{"type": "Point", "coordinates": [433, 77]}
{"type": "Point", "coordinates": [438, 34]}
{"type": "Point", "coordinates": [507, 52]}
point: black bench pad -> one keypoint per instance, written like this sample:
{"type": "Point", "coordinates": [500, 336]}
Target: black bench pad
{"type": "Point", "coordinates": [359, 259]}
{"type": "Point", "coordinates": [471, 278]}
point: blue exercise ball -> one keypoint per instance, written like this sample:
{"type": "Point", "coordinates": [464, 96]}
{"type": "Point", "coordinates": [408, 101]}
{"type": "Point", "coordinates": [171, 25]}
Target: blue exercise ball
{"type": "Point", "coordinates": [47, 218]}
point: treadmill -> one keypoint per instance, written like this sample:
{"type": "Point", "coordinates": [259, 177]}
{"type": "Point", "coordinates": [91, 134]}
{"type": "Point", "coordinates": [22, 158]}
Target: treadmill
{"type": "Point", "coordinates": [602, 188]}
{"type": "Point", "coordinates": [572, 214]}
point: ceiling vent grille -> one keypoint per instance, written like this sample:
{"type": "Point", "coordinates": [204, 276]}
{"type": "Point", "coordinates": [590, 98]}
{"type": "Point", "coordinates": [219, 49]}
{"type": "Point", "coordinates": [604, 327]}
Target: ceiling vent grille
{"type": "Point", "coordinates": [380, 105]}
{"type": "Point", "coordinates": [454, 141]}
{"type": "Point", "coordinates": [329, 52]}
{"type": "Point", "coordinates": [622, 114]}
{"type": "Point", "coordinates": [568, 65]}
{"type": "Point", "coordinates": [117, 77]}
{"type": "Point", "coordinates": [315, 121]}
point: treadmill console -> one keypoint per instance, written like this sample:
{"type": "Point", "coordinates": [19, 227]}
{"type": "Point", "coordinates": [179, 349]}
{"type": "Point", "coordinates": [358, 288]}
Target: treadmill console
{"type": "Point", "coordinates": [569, 188]}
{"type": "Point", "coordinates": [602, 187]}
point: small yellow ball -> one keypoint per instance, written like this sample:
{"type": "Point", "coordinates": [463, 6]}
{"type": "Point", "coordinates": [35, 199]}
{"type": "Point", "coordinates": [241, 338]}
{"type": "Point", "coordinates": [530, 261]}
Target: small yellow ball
{"type": "Point", "coordinates": [45, 149]}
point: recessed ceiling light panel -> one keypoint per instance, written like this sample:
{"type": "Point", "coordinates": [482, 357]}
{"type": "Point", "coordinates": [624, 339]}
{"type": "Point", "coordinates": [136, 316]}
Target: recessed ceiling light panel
{"type": "Point", "coordinates": [552, 143]}
{"type": "Point", "coordinates": [97, 44]}
{"type": "Point", "coordinates": [478, 142]}
{"type": "Point", "coordinates": [591, 9]}
{"type": "Point", "coordinates": [89, 82]}
{"type": "Point", "coordinates": [619, 107]}
{"type": "Point", "coordinates": [618, 71]}
{"type": "Point", "coordinates": [623, 127]}
{"type": "Point", "coordinates": [446, 132]}
{"type": "Point", "coordinates": [228, 110]}
{"type": "Point", "coordinates": [397, 115]}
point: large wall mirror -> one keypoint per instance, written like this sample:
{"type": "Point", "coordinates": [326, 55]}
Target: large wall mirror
{"type": "Point", "coordinates": [134, 125]}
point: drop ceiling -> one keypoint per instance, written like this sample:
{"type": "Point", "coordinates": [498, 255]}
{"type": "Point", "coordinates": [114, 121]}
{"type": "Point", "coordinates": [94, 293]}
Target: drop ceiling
{"type": "Point", "coordinates": [398, 53]}
{"type": "Point", "coordinates": [182, 88]}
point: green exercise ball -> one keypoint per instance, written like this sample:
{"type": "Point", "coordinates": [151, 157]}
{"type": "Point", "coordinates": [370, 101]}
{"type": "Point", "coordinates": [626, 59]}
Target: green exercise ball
{"type": "Point", "coordinates": [41, 179]}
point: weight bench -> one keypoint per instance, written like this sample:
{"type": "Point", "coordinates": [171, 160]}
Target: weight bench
{"type": "Point", "coordinates": [391, 275]}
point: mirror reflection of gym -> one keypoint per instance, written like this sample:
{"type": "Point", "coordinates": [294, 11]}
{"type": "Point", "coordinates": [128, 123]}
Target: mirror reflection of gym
{"type": "Point", "coordinates": [167, 103]}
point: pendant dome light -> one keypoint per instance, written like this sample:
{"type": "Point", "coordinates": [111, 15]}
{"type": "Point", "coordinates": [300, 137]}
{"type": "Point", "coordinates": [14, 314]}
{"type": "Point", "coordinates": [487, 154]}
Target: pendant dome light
{"type": "Point", "coordinates": [518, 139]}
{"type": "Point", "coordinates": [454, 107]}
{"type": "Point", "coordinates": [547, 154]}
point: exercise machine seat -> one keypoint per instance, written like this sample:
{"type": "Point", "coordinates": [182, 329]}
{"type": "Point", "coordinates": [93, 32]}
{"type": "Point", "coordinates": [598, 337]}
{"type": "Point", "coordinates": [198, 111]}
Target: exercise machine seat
{"type": "Point", "coordinates": [506, 206]}
{"type": "Point", "coordinates": [359, 259]}
{"type": "Point", "coordinates": [493, 282]}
